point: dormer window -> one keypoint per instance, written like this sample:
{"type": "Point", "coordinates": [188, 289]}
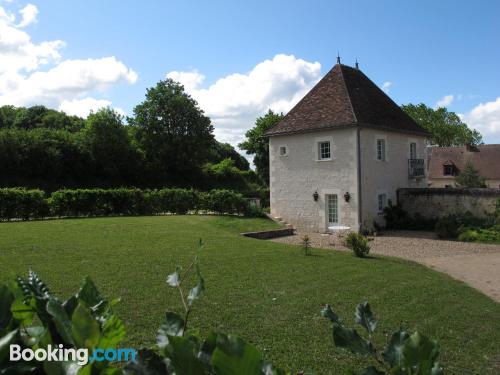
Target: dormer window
{"type": "Point", "coordinates": [449, 169]}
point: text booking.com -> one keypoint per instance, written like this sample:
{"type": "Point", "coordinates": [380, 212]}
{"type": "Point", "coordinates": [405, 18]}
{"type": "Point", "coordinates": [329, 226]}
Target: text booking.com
{"type": "Point", "coordinates": [58, 353]}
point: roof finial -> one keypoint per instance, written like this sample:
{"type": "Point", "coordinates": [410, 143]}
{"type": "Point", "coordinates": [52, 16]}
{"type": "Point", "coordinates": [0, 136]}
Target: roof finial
{"type": "Point", "coordinates": [338, 57]}
{"type": "Point", "coordinates": [357, 65]}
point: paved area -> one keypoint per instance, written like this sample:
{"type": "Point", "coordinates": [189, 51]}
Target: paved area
{"type": "Point", "coordinates": [476, 264]}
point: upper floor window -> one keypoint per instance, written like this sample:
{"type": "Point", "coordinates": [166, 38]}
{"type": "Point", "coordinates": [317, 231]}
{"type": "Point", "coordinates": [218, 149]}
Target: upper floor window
{"type": "Point", "coordinates": [381, 149]}
{"type": "Point", "coordinates": [283, 151]}
{"type": "Point", "coordinates": [413, 150]}
{"type": "Point", "coordinates": [324, 150]}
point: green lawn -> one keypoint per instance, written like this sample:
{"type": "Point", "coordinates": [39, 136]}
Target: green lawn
{"type": "Point", "coordinates": [266, 292]}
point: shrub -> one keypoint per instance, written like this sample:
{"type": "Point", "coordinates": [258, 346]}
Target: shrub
{"type": "Point", "coordinates": [468, 235]}
{"type": "Point", "coordinates": [20, 203]}
{"type": "Point", "coordinates": [397, 218]}
{"type": "Point", "coordinates": [358, 244]}
{"type": "Point", "coordinates": [226, 202]}
{"type": "Point", "coordinates": [306, 245]}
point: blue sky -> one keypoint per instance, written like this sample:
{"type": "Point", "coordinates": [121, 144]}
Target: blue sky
{"type": "Point", "coordinates": [423, 51]}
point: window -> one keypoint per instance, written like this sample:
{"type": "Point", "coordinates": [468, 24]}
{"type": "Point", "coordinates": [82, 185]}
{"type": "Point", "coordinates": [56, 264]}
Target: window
{"type": "Point", "coordinates": [332, 208]}
{"type": "Point", "coordinates": [413, 150]}
{"type": "Point", "coordinates": [381, 149]}
{"type": "Point", "coordinates": [283, 151]}
{"type": "Point", "coordinates": [382, 202]}
{"type": "Point", "coordinates": [324, 152]}
{"type": "Point", "coordinates": [448, 170]}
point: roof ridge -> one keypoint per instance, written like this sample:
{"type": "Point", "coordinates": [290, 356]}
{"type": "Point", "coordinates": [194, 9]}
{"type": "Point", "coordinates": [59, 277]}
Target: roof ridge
{"type": "Point", "coordinates": [348, 94]}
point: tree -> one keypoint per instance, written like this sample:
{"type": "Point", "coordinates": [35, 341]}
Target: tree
{"type": "Point", "coordinates": [258, 145]}
{"type": "Point", "coordinates": [107, 139]}
{"type": "Point", "coordinates": [446, 128]}
{"type": "Point", "coordinates": [221, 151]}
{"type": "Point", "coordinates": [469, 177]}
{"type": "Point", "coordinates": [173, 132]}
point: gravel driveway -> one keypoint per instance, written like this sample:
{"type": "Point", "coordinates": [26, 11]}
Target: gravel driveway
{"type": "Point", "coordinates": [476, 264]}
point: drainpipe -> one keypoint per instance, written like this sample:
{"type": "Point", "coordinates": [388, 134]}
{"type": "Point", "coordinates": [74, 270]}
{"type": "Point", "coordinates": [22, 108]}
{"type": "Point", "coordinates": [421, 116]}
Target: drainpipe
{"type": "Point", "coordinates": [360, 216]}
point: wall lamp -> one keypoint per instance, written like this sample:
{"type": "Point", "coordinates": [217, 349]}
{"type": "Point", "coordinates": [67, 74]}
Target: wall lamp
{"type": "Point", "coordinates": [347, 196]}
{"type": "Point", "coordinates": [315, 196]}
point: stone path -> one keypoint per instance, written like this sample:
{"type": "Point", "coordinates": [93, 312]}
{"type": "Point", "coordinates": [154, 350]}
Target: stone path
{"type": "Point", "coordinates": [476, 264]}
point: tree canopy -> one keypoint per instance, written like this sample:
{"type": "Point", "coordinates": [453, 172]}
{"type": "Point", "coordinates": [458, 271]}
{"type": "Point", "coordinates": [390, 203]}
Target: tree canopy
{"type": "Point", "coordinates": [446, 128]}
{"type": "Point", "coordinates": [258, 145]}
{"type": "Point", "coordinates": [469, 177]}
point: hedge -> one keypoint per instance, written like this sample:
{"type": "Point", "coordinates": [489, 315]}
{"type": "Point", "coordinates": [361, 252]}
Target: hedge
{"type": "Point", "coordinates": [19, 203]}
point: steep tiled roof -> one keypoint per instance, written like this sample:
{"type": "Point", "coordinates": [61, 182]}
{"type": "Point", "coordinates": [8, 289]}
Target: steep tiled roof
{"type": "Point", "coordinates": [345, 97]}
{"type": "Point", "coordinates": [484, 158]}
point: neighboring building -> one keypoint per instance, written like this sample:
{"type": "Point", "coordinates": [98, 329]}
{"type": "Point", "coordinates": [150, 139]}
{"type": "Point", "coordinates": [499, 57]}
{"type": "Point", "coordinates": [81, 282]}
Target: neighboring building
{"type": "Point", "coordinates": [341, 153]}
{"type": "Point", "coordinates": [446, 163]}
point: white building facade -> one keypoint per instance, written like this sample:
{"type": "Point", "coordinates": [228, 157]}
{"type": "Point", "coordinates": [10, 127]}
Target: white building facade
{"type": "Point", "coordinates": [329, 168]}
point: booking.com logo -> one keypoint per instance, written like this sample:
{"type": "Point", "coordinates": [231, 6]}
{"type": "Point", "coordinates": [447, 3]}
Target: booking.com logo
{"type": "Point", "coordinates": [81, 356]}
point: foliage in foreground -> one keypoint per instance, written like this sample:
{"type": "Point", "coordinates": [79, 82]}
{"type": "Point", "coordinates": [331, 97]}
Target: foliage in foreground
{"type": "Point", "coordinates": [404, 354]}
{"type": "Point", "coordinates": [358, 244]}
{"type": "Point", "coordinates": [32, 317]}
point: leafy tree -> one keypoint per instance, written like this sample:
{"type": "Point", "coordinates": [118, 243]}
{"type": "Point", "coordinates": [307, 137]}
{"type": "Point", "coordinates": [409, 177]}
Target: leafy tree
{"type": "Point", "coordinates": [108, 141]}
{"type": "Point", "coordinates": [469, 177]}
{"type": "Point", "coordinates": [221, 151]}
{"type": "Point", "coordinates": [7, 116]}
{"type": "Point", "coordinates": [258, 145]}
{"type": "Point", "coordinates": [446, 128]}
{"type": "Point", "coordinates": [173, 132]}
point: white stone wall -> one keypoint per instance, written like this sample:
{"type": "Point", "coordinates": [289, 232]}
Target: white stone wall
{"type": "Point", "coordinates": [295, 177]}
{"type": "Point", "coordinates": [378, 177]}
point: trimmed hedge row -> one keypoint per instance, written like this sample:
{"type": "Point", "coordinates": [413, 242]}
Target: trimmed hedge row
{"type": "Point", "coordinates": [20, 203]}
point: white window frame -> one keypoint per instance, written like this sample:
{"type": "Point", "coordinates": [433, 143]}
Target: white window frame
{"type": "Point", "coordinates": [413, 152]}
{"type": "Point", "coordinates": [327, 209]}
{"type": "Point", "coordinates": [320, 150]}
{"type": "Point", "coordinates": [280, 148]}
{"type": "Point", "coordinates": [381, 149]}
{"type": "Point", "coordinates": [381, 202]}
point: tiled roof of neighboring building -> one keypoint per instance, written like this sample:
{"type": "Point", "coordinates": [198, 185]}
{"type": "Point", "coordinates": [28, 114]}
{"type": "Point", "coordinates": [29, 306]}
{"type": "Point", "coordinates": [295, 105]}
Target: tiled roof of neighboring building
{"type": "Point", "coordinates": [484, 158]}
{"type": "Point", "coordinates": [345, 97]}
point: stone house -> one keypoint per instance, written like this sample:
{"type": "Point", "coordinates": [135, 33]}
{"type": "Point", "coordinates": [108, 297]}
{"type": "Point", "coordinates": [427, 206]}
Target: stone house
{"type": "Point", "coordinates": [445, 163]}
{"type": "Point", "coordinates": [341, 153]}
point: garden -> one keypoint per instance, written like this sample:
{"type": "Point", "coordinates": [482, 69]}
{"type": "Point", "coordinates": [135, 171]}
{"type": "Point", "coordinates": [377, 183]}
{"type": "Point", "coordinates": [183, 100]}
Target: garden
{"type": "Point", "coordinates": [268, 294]}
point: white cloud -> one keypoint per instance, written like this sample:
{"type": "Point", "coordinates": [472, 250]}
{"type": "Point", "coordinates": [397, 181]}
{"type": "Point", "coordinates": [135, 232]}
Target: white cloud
{"type": "Point", "coordinates": [35, 73]}
{"type": "Point", "coordinates": [234, 102]}
{"type": "Point", "coordinates": [386, 86]}
{"type": "Point", "coordinates": [29, 14]}
{"type": "Point", "coordinates": [445, 101]}
{"type": "Point", "coordinates": [485, 118]}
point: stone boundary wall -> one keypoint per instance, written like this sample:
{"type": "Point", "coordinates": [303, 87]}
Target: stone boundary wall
{"type": "Point", "coordinates": [267, 234]}
{"type": "Point", "coordinates": [434, 203]}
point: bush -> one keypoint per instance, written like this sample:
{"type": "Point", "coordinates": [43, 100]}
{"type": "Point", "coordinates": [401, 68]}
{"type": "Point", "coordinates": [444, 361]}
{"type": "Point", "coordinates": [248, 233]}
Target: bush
{"type": "Point", "coordinates": [306, 245]}
{"type": "Point", "coordinates": [226, 202]}
{"type": "Point", "coordinates": [469, 235]}
{"type": "Point", "coordinates": [20, 203]}
{"type": "Point", "coordinates": [358, 244]}
{"type": "Point", "coordinates": [397, 218]}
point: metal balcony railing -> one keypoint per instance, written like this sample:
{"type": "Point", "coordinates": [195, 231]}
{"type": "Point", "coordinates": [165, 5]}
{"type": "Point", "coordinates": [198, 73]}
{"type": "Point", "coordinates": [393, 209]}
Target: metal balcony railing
{"type": "Point", "coordinates": [416, 168]}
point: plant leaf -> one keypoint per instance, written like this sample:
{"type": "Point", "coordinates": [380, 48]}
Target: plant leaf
{"type": "Point", "coordinates": [349, 339]}
{"type": "Point", "coordinates": [183, 355]}
{"type": "Point", "coordinates": [198, 289]}
{"type": "Point", "coordinates": [5, 342]}
{"type": "Point", "coordinates": [174, 278]}
{"type": "Point", "coordinates": [420, 351]}
{"type": "Point", "coordinates": [173, 326]}
{"type": "Point", "coordinates": [371, 370]}
{"type": "Point", "coordinates": [61, 320]}
{"type": "Point", "coordinates": [234, 356]}
{"type": "Point", "coordinates": [38, 288]}
{"type": "Point", "coordinates": [6, 300]}
{"type": "Point", "coordinates": [89, 294]}
{"type": "Point", "coordinates": [393, 353]}
{"type": "Point", "coordinates": [364, 316]}
{"type": "Point", "coordinates": [85, 328]}
{"type": "Point", "coordinates": [113, 332]}
{"type": "Point", "coordinates": [147, 363]}
{"type": "Point", "coordinates": [327, 312]}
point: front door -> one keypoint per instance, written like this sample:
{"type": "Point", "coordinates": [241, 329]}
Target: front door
{"type": "Point", "coordinates": [332, 211]}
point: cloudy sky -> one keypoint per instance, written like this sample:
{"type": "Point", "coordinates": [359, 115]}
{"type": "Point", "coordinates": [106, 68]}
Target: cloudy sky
{"type": "Point", "coordinates": [238, 59]}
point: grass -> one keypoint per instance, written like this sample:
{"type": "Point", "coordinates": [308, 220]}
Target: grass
{"type": "Point", "coordinates": [268, 293]}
